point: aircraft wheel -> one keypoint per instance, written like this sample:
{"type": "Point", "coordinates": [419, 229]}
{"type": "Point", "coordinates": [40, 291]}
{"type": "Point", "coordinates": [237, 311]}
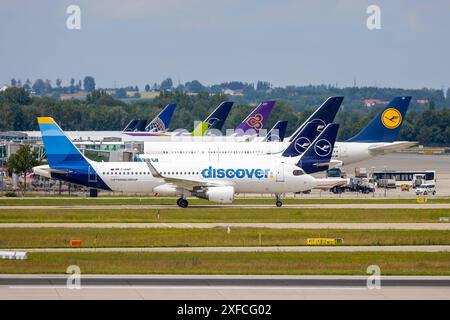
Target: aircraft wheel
{"type": "Point", "coordinates": [183, 203]}
{"type": "Point", "coordinates": [278, 203]}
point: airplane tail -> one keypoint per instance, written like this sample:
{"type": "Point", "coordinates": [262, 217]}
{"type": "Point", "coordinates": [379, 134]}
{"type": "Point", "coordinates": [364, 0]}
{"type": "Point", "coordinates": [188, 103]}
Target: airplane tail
{"type": "Point", "coordinates": [140, 125]}
{"type": "Point", "coordinates": [325, 114]}
{"type": "Point", "coordinates": [162, 120]}
{"type": "Point", "coordinates": [131, 125]}
{"type": "Point", "coordinates": [387, 123]}
{"type": "Point", "coordinates": [278, 132]}
{"type": "Point", "coordinates": [66, 162]}
{"type": "Point", "coordinates": [303, 139]}
{"type": "Point", "coordinates": [317, 155]}
{"type": "Point", "coordinates": [215, 120]}
{"type": "Point", "coordinates": [257, 118]}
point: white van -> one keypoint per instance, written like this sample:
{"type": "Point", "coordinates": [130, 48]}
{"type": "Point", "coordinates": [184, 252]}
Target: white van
{"type": "Point", "coordinates": [426, 189]}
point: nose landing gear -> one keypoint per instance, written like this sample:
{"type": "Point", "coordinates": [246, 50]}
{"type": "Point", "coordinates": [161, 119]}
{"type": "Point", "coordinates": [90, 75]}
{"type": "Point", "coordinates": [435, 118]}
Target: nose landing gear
{"type": "Point", "coordinates": [183, 203]}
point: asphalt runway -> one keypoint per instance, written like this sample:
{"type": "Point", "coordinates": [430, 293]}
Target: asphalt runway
{"type": "Point", "coordinates": [188, 287]}
{"type": "Point", "coordinates": [246, 206]}
{"type": "Point", "coordinates": [341, 248]}
{"type": "Point", "coordinates": [287, 225]}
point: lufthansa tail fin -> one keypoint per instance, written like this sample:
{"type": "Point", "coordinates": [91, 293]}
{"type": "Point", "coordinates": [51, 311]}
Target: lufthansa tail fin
{"type": "Point", "coordinates": [303, 140]}
{"type": "Point", "coordinates": [140, 125]}
{"type": "Point", "coordinates": [387, 123]}
{"type": "Point", "coordinates": [131, 125]}
{"type": "Point", "coordinates": [162, 120]}
{"type": "Point", "coordinates": [325, 114]}
{"type": "Point", "coordinates": [217, 118]}
{"type": "Point", "coordinates": [278, 132]}
{"type": "Point", "coordinates": [318, 155]}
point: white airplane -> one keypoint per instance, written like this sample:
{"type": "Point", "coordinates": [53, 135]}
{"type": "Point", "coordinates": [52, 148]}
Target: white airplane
{"type": "Point", "coordinates": [203, 179]}
{"type": "Point", "coordinates": [378, 137]}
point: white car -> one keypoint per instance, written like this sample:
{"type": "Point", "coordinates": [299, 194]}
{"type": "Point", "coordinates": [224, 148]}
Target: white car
{"type": "Point", "coordinates": [426, 189]}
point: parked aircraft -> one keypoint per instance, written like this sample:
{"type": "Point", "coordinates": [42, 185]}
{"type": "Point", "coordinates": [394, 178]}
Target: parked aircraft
{"type": "Point", "coordinates": [378, 137]}
{"type": "Point", "coordinates": [203, 179]}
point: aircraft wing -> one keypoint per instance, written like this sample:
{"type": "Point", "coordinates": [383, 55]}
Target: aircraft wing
{"type": "Point", "coordinates": [187, 184]}
{"type": "Point", "coordinates": [391, 147]}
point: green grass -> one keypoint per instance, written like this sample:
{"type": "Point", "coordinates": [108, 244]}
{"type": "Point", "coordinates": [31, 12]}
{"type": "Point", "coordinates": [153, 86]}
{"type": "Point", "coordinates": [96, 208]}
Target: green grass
{"type": "Point", "coordinates": [279, 263]}
{"type": "Point", "coordinates": [164, 201]}
{"type": "Point", "coordinates": [168, 237]}
{"type": "Point", "coordinates": [222, 215]}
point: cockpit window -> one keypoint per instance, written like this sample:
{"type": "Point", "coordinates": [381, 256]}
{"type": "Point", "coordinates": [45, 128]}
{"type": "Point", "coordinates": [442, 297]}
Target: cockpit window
{"type": "Point", "coordinates": [298, 172]}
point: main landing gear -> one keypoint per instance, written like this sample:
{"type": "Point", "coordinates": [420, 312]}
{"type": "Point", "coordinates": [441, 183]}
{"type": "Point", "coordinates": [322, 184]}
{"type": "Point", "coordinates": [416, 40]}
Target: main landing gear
{"type": "Point", "coordinates": [183, 203]}
{"type": "Point", "coordinates": [278, 203]}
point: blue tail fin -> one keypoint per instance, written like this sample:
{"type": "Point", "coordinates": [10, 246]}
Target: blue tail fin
{"type": "Point", "coordinates": [140, 125]}
{"type": "Point", "coordinates": [217, 118]}
{"type": "Point", "coordinates": [387, 123]}
{"type": "Point", "coordinates": [325, 114]}
{"type": "Point", "coordinates": [318, 155]}
{"type": "Point", "coordinates": [65, 160]}
{"type": "Point", "coordinates": [162, 120]}
{"type": "Point", "coordinates": [278, 132]}
{"type": "Point", "coordinates": [131, 125]}
{"type": "Point", "coordinates": [303, 139]}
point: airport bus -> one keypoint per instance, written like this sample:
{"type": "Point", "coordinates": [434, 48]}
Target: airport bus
{"type": "Point", "coordinates": [413, 178]}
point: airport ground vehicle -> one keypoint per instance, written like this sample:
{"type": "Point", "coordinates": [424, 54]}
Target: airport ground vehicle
{"type": "Point", "coordinates": [414, 178]}
{"type": "Point", "coordinates": [426, 189]}
{"type": "Point", "coordinates": [363, 185]}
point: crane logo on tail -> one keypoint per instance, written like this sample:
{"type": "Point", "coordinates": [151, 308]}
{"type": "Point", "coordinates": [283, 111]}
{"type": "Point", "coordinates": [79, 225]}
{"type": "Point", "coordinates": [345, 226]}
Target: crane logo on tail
{"type": "Point", "coordinates": [322, 148]}
{"type": "Point", "coordinates": [391, 118]}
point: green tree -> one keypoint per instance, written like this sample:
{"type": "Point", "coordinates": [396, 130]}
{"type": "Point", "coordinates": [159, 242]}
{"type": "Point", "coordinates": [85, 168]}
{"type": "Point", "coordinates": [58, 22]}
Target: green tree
{"type": "Point", "coordinates": [15, 95]}
{"type": "Point", "coordinates": [23, 162]}
{"type": "Point", "coordinates": [89, 83]}
{"type": "Point", "coordinates": [147, 88]}
{"type": "Point", "coordinates": [166, 84]}
{"type": "Point", "coordinates": [39, 87]}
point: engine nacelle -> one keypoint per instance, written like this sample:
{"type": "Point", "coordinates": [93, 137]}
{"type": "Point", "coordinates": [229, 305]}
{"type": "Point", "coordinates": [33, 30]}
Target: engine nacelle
{"type": "Point", "coordinates": [166, 190]}
{"type": "Point", "coordinates": [220, 194]}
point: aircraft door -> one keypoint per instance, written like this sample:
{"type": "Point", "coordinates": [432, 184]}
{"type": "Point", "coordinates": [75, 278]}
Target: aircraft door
{"type": "Point", "coordinates": [280, 172]}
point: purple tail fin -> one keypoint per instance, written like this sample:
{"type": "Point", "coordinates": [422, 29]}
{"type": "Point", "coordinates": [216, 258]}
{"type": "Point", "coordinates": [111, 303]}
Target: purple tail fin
{"type": "Point", "coordinates": [256, 120]}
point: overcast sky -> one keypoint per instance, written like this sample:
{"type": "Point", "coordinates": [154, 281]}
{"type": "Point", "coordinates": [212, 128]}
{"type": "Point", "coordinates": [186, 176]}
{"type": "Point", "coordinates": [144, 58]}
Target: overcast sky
{"type": "Point", "coordinates": [284, 42]}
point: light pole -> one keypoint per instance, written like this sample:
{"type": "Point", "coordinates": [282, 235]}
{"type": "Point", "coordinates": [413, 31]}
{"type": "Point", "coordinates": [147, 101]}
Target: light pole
{"type": "Point", "coordinates": [385, 181]}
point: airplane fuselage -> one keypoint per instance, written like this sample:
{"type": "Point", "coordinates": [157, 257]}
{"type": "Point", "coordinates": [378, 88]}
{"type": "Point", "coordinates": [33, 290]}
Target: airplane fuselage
{"type": "Point", "coordinates": [344, 152]}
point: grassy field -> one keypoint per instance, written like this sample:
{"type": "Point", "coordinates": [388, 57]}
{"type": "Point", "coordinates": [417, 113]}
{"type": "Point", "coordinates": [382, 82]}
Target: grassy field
{"type": "Point", "coordinates": [222, 215]}
{"type": "Point", "coordinates": [281, 263]}
{"type": "Point", "coordinates": [167, 237]}
{"type": "Point", "coordinates": [36, 201]}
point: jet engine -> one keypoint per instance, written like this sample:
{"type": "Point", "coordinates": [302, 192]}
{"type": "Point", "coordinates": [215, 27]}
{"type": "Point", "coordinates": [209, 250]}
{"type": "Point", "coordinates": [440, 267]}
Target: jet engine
{"type": "Point", "coordinates": [166, 190]}
{"type": "Point", "coordinates": [217, 194]}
